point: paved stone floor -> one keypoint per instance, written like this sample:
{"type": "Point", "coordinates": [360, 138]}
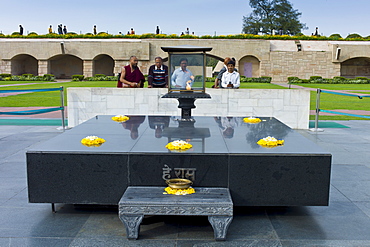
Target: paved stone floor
{"type": "Point", "coordinates": [345, 222]}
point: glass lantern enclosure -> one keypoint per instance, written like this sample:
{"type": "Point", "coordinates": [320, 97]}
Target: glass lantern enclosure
{"type": "Point", "coordinates": [186, 76]}
{"type": "Point", "coordinates": [187, 68]}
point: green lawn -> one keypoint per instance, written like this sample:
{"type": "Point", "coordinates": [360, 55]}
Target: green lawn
{"type": "Point", "coordinates": [46, 98]}
{"type": "Point", "coordinates": [336, 102]}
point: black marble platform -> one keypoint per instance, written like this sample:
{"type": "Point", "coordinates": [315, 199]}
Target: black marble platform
{"type": "Point", "coordinates": [224, 154]}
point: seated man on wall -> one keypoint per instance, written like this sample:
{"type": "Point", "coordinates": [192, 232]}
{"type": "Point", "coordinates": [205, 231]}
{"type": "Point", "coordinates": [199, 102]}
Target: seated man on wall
{"type": "Point", "coordinates": [182, 76]}
{"type": "Point", "coordinates": [131, 75]}
{"type": "Point", "coordinates": [230, 78]}
{"type": "Point", "coordinates": [223, 70]}
{"type": "Point", "coordinates": [158, 74]}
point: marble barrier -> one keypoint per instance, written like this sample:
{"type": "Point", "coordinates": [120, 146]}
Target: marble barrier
{"type": "Point", "coordinates": [290, 106]}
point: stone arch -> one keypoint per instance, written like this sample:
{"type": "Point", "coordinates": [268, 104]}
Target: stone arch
{"type": "Point", "coordinates": [103, 64]}
{"type": "Point", "coordinates": [355, 67]}
{"type": "Point", "coordinates": [24, 64]}
{"type": "Point", "coordinates": [249, 66]}
{"type": "Point", "coordinates": [64, 66]}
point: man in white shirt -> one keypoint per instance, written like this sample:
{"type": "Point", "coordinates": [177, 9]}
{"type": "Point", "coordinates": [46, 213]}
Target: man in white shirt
{"type": "Point", "coordinates": [231, 78]}
{"type": "Point", "coordinates": [182, 75]}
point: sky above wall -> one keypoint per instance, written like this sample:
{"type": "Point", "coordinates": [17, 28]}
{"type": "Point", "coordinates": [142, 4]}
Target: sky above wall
{"type": "Point", "coordinates": [203, 17]}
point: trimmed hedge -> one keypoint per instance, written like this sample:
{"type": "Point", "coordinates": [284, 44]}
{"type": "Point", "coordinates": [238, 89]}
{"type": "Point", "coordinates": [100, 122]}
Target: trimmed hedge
{"type": "Point", "coordinates": [27, 77]}
{"type": "Point", "coordinates": [5, 75]}
{"type": "Point", "coordinates": [101, 78]}
{"type": "Point", "coordinates": [103, 35]}
{"type": "Point", "coordinates": [262, 79]}
{"type": "Point", "coordinates": [334, 80]}
{"type": "Point", "coordinates": [77, 77]}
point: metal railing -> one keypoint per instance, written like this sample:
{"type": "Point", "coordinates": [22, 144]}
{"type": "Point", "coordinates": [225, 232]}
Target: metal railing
{"type": "Point", "coordinates": [38, 111]}
{"type": "Point", "coordinates": [318, 110]}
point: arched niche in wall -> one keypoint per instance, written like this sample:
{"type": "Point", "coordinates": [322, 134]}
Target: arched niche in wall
{"type": "Point", "coordinates": [249, 66]}
{"type": "Point", "coordinates": [103, 64]}
{"type": "Point", "coordinates": [355, 67]}
{"type": "Point", "coordinates": [64, 66]}
{"type": "Point", "coordinates": [24, 64]}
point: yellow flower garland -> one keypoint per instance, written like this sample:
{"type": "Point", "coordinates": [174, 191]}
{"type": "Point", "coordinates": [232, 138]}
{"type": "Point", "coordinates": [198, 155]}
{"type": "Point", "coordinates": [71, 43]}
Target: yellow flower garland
{"type": "Point", "coordinates": [171, 191]}
{"type": "Point", "coordinates": [120, 118]}
{"type": "Point", "coordinates": [179, 145]}
{"type": "Point", "coordinates": [251, 120]}
{"type": "Point", "coordinates": [92, 141]}
{"type": "Point", "coordinates": [270, 142]}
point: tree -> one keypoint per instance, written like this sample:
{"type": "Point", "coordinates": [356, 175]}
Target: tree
{"type": "Point", "coordinates": [269, 15]}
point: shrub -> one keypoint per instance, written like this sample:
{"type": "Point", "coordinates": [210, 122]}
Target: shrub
{"type": "Point", "coordinates": [335, 80]}
{"type": "Point", "coordinates": [5, 75]}
{"type": "Point", "coordinates": [262, 79]}
{"type": "Point", "coordinates": [316, 79]}
{"type": "Point", "coordinates": [266, 79]}
{"type": "Point", "coordinates": [294, 79]}
{"type": "Point", "coordinates": [49, 77]}
{"type": "Point", "coordinates": [101, 78]}
{"type": "Point", "coordinates": [32, 34]}
{"type": "Point", "coordinates": [77, 77]}
{"type": "Point", "coordinates": [335, 36]}
{"type": "Point", "coordinates": [353, 36]}
{"type": "Point", "coordinates": [210, 79]}
{"type": "Point", "coordinates": [27, 75]}
{"type": "Point", "coordinates": [16, 33]}
{"type": "Point", "coordinates": [99, 75]}
{"type": "Point", "coordinates": [361, 80]}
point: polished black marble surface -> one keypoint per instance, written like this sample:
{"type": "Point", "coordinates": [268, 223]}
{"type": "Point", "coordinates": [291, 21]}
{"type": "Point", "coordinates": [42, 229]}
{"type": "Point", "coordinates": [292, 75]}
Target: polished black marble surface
{"type": "Point", "coordinates": [224, 154]}
{"type": "Point", "coordinates": [150, 134]}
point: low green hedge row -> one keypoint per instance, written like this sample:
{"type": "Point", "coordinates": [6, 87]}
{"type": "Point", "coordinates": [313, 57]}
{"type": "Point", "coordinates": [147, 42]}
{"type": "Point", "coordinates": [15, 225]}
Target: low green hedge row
{"type": "Point", "coordinates": [77, 77]}
{"type": "Point", "coordinates": [103, 35]}
{"type": "Point", "coordinates": [101, 78]}
{"type": "Point", "coordinates": [262, 79]}
{"type": "Point", "coordinates": [27, 77]}
{"type": "Point", "coordinates": [334, 80]}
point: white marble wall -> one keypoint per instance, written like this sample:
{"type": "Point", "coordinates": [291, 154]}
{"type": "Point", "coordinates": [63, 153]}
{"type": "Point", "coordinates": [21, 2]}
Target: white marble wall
{"type": "Point", "coordinates": [288, 105]}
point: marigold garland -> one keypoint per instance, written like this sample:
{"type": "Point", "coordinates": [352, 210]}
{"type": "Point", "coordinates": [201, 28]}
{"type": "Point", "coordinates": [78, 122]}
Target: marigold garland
{"type": "Point", "coordinates": [171, 191]}
{"type": "Point", "coordinates": [270, 142]}
{"type": "Point", "coordinates": [120, 118]}
{"type": "Point", "coordinates": [251, 120]}
{"type": "Point", "coordinates": [179, 145]}
{"type": "Point", "coordinates": [92, 141]}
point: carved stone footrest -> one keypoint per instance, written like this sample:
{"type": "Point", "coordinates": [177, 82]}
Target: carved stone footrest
{"type": "Point", "coordinates": [215, 203]}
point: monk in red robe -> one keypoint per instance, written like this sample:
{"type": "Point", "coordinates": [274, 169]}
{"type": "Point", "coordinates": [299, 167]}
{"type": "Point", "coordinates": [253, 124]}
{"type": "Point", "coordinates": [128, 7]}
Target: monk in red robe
{"type": "Point", "coordinates": [131, 75]}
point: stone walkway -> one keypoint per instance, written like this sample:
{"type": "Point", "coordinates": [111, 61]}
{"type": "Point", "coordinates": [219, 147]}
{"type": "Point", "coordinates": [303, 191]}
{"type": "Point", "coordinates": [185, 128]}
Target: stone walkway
{"type": "Point", "coordinates": [345, 222]}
